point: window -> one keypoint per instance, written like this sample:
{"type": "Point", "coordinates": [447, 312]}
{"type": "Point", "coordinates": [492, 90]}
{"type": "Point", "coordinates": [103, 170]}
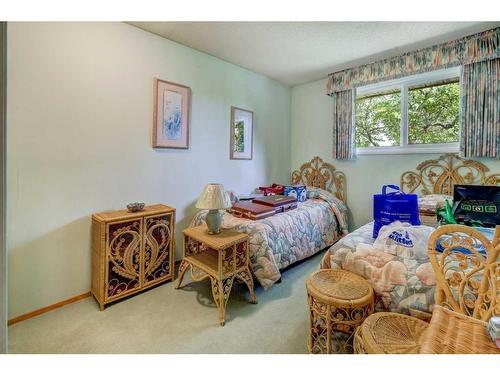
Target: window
{"type": "Point", "coordinates": [410, 115]}
{"type": "Point", "coordinates": [378, 119]}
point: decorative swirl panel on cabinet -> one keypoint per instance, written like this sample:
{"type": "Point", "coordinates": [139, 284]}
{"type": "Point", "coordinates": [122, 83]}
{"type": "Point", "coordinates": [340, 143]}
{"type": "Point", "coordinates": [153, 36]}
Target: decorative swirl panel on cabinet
{"type": "Point", "coordinates": [131, 251]}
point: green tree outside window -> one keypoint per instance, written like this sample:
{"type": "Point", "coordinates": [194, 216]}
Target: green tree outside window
{"type": "Point", "coordinates": [433, 116]}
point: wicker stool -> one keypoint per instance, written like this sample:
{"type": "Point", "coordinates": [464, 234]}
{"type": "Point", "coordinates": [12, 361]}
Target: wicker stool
{"type": "Point", "coordinates": [389, 333]}
{"type": "Point", "coordinates": [339, 301]}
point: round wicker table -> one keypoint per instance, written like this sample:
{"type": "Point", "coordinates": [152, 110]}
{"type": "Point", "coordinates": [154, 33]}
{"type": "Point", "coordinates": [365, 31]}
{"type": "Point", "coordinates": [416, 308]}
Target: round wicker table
{"type": "Point", "coordinates": [339, 301]}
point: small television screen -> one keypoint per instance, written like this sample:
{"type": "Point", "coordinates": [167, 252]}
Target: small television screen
{"type": "Point", "coordinates": [476, 205]}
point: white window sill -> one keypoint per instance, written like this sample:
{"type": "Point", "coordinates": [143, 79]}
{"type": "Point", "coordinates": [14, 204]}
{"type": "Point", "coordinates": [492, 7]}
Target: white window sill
{"type": "Point", "coordinates": [410, 149]}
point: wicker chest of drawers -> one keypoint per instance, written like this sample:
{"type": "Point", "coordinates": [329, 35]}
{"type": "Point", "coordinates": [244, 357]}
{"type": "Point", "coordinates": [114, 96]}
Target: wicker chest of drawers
{"type": "Point", "coordinates": [131, 251]}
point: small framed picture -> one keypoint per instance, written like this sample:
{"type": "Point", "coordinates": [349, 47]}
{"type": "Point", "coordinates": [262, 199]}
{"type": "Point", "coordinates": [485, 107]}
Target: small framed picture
{"type": "Point", "coordinates": [241, 143]}
{"type": "Point", "coordinates": [170, 115]}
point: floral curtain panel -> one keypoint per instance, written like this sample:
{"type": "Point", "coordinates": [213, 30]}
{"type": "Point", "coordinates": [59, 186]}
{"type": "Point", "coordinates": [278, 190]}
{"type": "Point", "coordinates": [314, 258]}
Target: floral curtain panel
{"type": "Point", "coordinates": [474, 48]}
{"type": "Point", "coordinates": [480, 120]}
{"type": "Point", "coordinates": [344, 144]}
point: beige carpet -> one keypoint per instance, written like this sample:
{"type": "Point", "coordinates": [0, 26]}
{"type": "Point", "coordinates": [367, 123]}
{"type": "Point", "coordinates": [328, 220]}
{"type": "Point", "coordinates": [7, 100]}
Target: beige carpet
{"type": "Point", "coordinates": [165, 320]}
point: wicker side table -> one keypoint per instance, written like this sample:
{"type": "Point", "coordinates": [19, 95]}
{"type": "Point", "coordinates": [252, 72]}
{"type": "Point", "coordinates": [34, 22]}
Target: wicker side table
{"type": "Point", "coordinates": [339, 301]}
{"type": "Point", "coordinates": [220, 257]}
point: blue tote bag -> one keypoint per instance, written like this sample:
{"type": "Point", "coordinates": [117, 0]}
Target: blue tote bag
{"type": "Point", "coordinates": [394, 206]}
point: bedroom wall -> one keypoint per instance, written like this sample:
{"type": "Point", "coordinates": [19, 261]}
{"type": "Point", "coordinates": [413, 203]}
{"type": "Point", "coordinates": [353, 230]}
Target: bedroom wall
{"type": "Point", "coordinates": [311, 121]}
{"type": "Point", "coordinates": [79, 120]}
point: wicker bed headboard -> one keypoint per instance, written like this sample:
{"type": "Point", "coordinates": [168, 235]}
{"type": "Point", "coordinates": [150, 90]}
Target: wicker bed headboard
{"type": "Point", "coordinates": [440, 175]}
{"type": "Point", "coordinates": [322, 175]}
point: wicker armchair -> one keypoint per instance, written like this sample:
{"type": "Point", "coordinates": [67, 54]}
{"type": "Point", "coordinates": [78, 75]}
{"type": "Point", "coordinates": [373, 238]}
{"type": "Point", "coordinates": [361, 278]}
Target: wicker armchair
{"type": "Point", "coordinates": [467, 286]}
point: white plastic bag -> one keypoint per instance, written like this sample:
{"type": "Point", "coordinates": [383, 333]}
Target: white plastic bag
{"type": "Point", "coordinates": [404, 240]}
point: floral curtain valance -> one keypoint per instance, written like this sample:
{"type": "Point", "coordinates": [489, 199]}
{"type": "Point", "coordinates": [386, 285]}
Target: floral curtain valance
{"type": "Point", "coordinates": [471, 49]}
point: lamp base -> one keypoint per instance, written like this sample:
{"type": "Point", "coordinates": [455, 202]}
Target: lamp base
{"type": "Point", "coordinates": [213, 220]}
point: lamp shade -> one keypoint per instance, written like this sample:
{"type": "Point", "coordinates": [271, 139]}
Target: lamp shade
{"type": "Point", "coordinates": [213, 197]}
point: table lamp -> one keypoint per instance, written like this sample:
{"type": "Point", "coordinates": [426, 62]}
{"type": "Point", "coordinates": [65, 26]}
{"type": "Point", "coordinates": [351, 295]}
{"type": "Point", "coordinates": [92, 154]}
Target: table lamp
{"type": "Point", "coordinates": [213, 198]}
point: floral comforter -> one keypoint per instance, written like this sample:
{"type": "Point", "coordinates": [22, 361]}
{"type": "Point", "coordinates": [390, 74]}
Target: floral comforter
{"type": "Point", "coordinates": [283, 239]}
{"type": "Point", "coordinates": [403, 284]}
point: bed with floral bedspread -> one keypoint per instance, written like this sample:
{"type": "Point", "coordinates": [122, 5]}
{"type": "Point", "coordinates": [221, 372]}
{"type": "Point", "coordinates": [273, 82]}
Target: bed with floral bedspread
{"type": "Point", "coordinates": [406, 282]}
{"type": "Point", "coordinates": [407, 285]}
{"type": "Point", "coordinates": [283, 239]}
{"type": "Point", "coordinates": [402, 284]}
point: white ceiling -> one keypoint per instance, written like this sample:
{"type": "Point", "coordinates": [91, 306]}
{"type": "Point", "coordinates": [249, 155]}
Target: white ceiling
{"type": "Point", "coordinates": [298, 52]}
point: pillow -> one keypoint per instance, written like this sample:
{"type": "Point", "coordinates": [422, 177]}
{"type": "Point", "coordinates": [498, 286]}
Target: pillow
{"type": "Point", "coordinates": [232, 196]}
{"type": "Point", "coordinates": [428, 204]}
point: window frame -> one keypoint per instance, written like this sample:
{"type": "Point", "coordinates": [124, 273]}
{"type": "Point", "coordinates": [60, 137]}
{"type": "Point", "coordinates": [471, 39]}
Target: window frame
{"type": "Point", "coordinates": [403, 84]}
